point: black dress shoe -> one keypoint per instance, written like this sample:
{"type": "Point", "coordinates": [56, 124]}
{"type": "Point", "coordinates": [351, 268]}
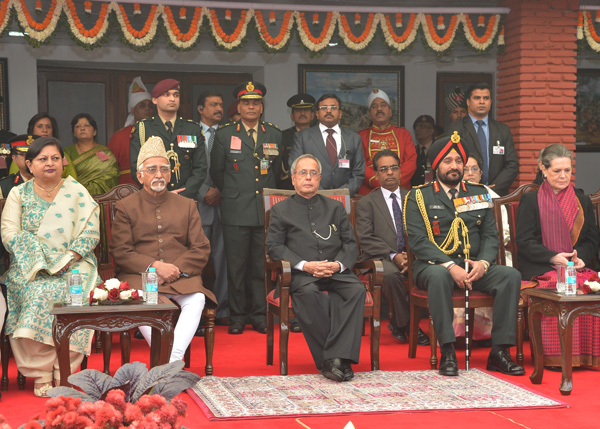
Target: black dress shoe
{"type": "Point", "coordinates": [347, 370]}
{"type": "Point", "coordinates": [295, 326]}
{"type": "Point", "coordinates": [260, 327]}
{"type": "Point", "coordinates": [422, 338]}
{"type": "Point", "coordinates": [400, 335]}
{"type": "Point", "coordinates": [200, 332]}
{"type": "Point", "coordinates": [449, 364]}
{"type": "Point", "coordinates": [138, 335]}
{"type": "Point", "coordinates": [502, 362]}
{"type": "Point", "coordinates": [332, 369]}
{"type": "Point", "coordinates": [236, 328]}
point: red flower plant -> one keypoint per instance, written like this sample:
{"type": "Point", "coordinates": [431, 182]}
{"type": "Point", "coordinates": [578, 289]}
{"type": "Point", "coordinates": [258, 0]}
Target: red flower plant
{"type": "Point", "coordinates": [113, 294]}
{"type": "Point", "coordinates": [124, 286]}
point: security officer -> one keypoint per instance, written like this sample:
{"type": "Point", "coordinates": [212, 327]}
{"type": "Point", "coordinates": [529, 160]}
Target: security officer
{"type": "Point", "coordinates": [183, 140]}
{"type": "Point", "coordinates": [450, 223]}
{"type": "Point", "coordinates": [243, 161]}
{"type": "Point", "coordinates": [302, 116]}
{"type": "Point", "coordinates": [19, 145]}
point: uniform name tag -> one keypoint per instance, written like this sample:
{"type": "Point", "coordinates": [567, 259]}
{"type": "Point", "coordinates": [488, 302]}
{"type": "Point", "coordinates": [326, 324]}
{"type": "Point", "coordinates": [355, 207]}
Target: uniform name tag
{"type": "Point", "coordinates": [236, 143]}
{"type": "Point", "coordinates": [344, 163]}
{"type": "Point", "coordinates": [498, 150]}
{"type": "Point", "coordinates": [187, 142]}
{"type": "Point", "coordinates": [474, 202]}
{"type": "Point", "coordinates": [436, 207]}
{"type": "Point", "coordinates": [270, 149]}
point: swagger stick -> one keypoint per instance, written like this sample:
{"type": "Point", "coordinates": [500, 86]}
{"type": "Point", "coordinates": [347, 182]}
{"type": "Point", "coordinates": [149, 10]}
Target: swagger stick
{"type": "Point", "coordinates": [467, 345]}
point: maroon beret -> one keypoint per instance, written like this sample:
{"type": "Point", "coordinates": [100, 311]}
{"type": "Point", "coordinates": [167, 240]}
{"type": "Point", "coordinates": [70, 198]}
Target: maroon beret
{"type": "Point", "coordinates": [163, 86]}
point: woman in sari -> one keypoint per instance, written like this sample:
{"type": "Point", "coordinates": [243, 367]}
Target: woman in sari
{"type": "Point", "coordinates": [50, 226]}
{"type": "Point", "coordinates": [96, 166]}
{"type": "Point", "coordinates": [556, 225]}
{"type": "Point", "coordinates": [44, 125]}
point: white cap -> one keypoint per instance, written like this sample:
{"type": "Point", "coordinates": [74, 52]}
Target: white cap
{"type": "Point", "coordinates": [137, 93]}
{"type": "Point", "coordinates": [377, 93]}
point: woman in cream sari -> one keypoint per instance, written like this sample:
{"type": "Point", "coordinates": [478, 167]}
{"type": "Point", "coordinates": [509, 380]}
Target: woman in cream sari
{"type": "Point", "coordinates": [50, 226]}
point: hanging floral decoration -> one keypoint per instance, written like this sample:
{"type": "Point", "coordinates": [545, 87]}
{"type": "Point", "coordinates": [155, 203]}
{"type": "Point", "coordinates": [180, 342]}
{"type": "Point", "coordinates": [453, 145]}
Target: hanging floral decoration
{"type": "Point", "coordinates": [229, 30]}
{"type": "Point", "coordinates": [587, 30]}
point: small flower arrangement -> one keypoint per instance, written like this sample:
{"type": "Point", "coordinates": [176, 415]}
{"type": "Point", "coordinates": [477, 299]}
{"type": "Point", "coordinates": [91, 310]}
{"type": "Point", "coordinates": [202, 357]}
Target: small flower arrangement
{"type": "Point", "coordinates": [592, 284]}
{"type": "Point", "coordinates": [113, 291]}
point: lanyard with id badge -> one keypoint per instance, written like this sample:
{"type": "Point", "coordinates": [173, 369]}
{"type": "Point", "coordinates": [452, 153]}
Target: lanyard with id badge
{"type": "Point", "coordinates": [497, 149]}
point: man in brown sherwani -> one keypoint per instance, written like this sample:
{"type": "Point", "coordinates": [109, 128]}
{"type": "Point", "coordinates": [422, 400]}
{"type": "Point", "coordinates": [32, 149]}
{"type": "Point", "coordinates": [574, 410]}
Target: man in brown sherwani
{"type": "Point", "coordinates": [160, 229]}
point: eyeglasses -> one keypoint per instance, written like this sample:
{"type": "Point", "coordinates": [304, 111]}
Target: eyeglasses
{"type": "Point", "coordinates": [325, 108]}
{"type": "Point", "coordinates": [472, 169]}
{"type": "Point", "coordinates": [152, 170]}
{"type": "Point", "coordinates": [304, 173]}
{"type": "Point", "coordinates": [385, 168]}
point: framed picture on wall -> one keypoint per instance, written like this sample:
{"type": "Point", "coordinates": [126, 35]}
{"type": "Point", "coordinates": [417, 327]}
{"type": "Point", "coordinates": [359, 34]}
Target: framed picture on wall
{"type": "Point", "coordinates": [4, 124]}
{"type": "Point", "coordinates": [587, 122]}
{"type": "Point", "coordinates": [447, 83]}
{"type": "Point", "coordinates": [353, 84]}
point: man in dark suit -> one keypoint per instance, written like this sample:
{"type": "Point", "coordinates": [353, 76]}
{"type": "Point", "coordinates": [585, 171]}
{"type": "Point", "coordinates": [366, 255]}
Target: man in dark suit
{"type": "Point", "coordinates": [450, 226]}
{"type": "Point", "coordinates": [243, 161]}
{"type": "Point", "coordinates": [381, 236]}
{"type": "Point", "coordinates": [302, 116]}
{"type": "Point", "coordinates": [182, 138]}
{"type": "Point", "coordinates": [488, 138]}
{"type": "Point", "coordinates": [313, 232]}
{"type": "Point", "coordinates": [338, 150]}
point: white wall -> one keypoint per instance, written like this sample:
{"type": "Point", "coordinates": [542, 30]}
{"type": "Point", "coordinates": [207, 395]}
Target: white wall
{"type": "Point", "coordinates": [279, 72]}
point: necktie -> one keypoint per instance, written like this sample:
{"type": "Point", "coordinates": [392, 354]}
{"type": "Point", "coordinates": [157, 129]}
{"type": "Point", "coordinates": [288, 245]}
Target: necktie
{"type": "Point", "coordinates": [399, 225]}
{"type": "Point", "coordinates": [331, 147]}
{"type": "Point", "coordinates": [251, 135]}
{"type": "Point", "coordinates": [211, 138]}
{"type": "Point", "coordinates": [453, 193]}
{"type": "Point", "coordinates": [169, 127]}
{"type": "Point", "coordinates": [484, 151]}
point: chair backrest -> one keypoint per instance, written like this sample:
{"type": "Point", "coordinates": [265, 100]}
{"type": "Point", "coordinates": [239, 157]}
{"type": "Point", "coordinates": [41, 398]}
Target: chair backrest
{"type": "Point", "coordinates": [273, 196]}
{"type": "Point", "coordinates": [511, 203]}
{"type": "Point", "coordinates": [107, 214]}
{"type": "Point", "coordinates": [595, 197]}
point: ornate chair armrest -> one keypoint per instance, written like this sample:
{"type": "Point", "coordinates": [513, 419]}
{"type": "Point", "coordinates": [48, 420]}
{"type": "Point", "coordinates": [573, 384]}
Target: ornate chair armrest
{"type": "Point", "coordinates": [374, 269]}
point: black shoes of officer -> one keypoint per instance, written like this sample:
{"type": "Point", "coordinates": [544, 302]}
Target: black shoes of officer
{"type": "Point", "coordinates": [236, 328]}
{"type": "Point", "coordinates": [295, 325]}
{"type": "Point", "coordinates": [333, 369]}
{"type": "Point", "coordinates": [260, 327]}
{"type": "Point", "coordinates": [138, 335]}
{"type": "Point", "coordinates": [500, 360]}
{"type": "Point", "coordinates": [448, 364]}
{"type": "Point", "coordinates": [401, 335]}
{"type": "Point", "coordinates": [347, 370]}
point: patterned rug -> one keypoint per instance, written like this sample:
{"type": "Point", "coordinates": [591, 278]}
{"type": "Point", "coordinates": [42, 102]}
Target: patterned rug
{"type": "Point", "coordinates": [230, 398]}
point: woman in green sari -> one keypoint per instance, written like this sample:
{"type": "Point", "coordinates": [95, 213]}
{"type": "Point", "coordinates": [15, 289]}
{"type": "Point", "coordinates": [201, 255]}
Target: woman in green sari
{"type": "Point", "coordinates": [50, 226]}
{"type": "Point", "coordinates": [96, 166]}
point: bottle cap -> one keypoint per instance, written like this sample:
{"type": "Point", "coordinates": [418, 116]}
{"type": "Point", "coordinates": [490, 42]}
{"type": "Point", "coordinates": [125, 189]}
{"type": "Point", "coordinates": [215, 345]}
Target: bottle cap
{"type": "Point", "coordinates": [570, 263]}
{"type": "Point", "coordinates": [152, 270]}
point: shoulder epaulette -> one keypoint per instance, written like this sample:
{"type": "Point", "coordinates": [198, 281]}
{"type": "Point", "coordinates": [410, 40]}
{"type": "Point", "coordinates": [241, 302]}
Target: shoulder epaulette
{"type": "Point", "coordinates": [474, 183]}
{"type": "Point", "coordinates": [423, 185]}
{"type": "Point", "coordinates": [190, 120]}
{"type": "Point", "coordinates": [271, 124]}
{"type": "Point", "coordinates": [226, 125]}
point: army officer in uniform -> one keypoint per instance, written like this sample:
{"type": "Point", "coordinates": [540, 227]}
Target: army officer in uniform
{"type": "Point", "coordinates": [243, 161]}
{"type": "Point", "coordinates": [437, 216]}
{"type": "Point", "coordinates": [183, 141]}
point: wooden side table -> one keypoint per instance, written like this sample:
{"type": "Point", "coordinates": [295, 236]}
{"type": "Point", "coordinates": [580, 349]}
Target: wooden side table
{"type": "Point", "coordinates": [114, 318]}
{"type": "Point", "coordinates": [565, 308]}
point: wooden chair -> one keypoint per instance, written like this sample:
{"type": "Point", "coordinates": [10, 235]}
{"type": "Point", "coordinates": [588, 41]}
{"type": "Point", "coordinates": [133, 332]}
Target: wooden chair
{"type": "Point", "coordinates": [106, 269]}
{"type": "Point", "coordinates": [595, 197]}
{"type": "Point", "coordinates": [4, 341]}
{"type": "Point", "coordinates": [510, 203]}
{"type": "Point", "coordinates": [278, 276]}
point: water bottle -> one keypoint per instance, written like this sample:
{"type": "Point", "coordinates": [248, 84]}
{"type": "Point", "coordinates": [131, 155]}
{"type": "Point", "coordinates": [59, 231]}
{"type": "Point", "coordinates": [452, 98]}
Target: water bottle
{"type": "Point", "coordinates": [561, 279]}
{"type": "Point", "coordinates": [571, 279]}
{"type": "Point", "coordinates": [75, 289]}
{"type": "Point", "coordinates": [151, 286]}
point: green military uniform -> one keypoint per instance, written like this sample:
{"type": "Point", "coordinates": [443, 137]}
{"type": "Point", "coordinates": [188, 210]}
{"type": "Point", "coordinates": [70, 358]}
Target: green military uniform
{"type": "Point", "coordinates": [240, 169]}
{"type": "Point", "coordinates": [187, 156]}
{"type": "Point", "coordinates": [500, 281]}
{"type": "Point", "coordinates": [10, 182]}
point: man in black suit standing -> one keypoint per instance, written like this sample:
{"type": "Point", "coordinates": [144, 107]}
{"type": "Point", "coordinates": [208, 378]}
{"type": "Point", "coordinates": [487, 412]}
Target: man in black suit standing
{"type": "Point", "coordinates": [488, 138]}
{"type": "Point", "coordinates": [338, 150]}
{"type": "Point", "coordinates": [313, 232]}
{"type": "Point", "coordinates": [381, 236]}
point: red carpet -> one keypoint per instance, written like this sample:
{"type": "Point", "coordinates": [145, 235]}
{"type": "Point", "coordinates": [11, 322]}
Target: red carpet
{"type": "Point", "coordinates": [245, 355]}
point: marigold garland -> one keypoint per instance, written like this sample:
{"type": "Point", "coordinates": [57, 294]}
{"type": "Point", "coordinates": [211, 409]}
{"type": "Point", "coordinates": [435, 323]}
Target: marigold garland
{"type": "Point", "coordinates": [41, 32]}
{"type": "Point", "coordinates": [591, 36]}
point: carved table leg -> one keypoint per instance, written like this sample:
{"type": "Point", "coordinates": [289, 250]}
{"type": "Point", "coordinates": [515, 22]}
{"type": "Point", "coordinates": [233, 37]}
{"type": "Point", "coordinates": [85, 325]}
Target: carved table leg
{"type": "Point", "coordinates": [565, 333]}
{"type": "Point", "coordinates": [535, 328]}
